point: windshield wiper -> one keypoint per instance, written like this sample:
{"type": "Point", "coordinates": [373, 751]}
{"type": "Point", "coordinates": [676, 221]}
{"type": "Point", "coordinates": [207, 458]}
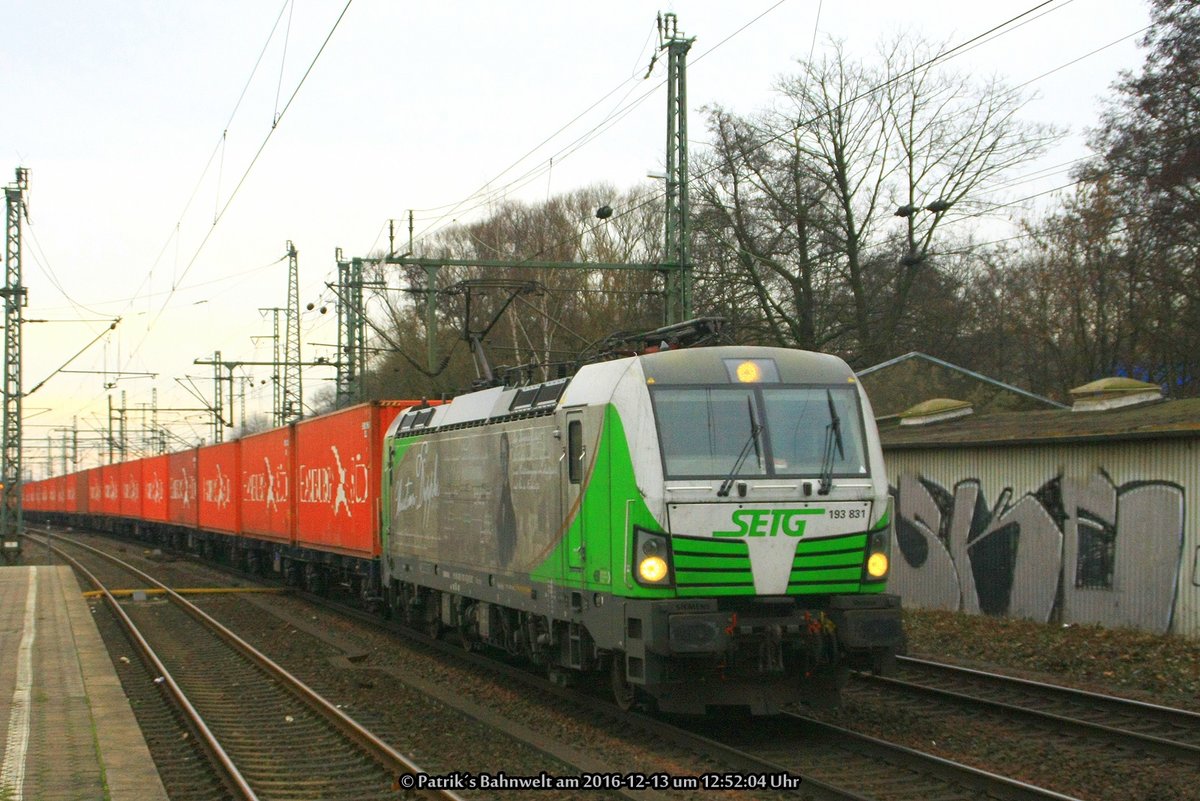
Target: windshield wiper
{"type": "Point", "coordinates": [727, 484]}
{"type": "Point", "coordinates": [833, 438]}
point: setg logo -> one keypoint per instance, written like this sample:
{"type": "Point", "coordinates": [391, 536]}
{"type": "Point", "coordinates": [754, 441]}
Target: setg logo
{"type": "Point", "coordinates": [768, 522]}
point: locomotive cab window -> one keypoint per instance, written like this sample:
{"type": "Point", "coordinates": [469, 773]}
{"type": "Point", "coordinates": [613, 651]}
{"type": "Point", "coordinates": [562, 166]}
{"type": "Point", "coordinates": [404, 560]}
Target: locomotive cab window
{"type": "Point", "coordinates": [704, 431]}
{"type": "Point", "coordinates": [751, 431]}
{"type": "Point", "coordinates": [575, 451]}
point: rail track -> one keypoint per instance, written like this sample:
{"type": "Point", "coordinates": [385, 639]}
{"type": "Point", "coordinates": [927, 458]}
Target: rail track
{"type": "Point", "coordinates": [269, 735]}
{"type": "Point", "coordinates": [1139, 726]}
{"type": "Point", "coordinates": [867, 767]}
{"type": "Point", "coordinates": [763, 754]}
{"type": "Point", "coordinates": [830, 762]}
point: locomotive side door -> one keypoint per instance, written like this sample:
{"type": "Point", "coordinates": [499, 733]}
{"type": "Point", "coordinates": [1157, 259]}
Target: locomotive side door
{"type": "Point", "coordinates": [573, 465]}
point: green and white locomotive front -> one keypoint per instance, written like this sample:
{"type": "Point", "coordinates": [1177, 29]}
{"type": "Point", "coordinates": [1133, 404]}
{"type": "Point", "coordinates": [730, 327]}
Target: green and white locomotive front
{"type": "Point", "coordinates": [757, 565]}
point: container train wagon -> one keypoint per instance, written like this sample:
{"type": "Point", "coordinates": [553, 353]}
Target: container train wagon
{"type": "Point", "coordinates": [300, 502]}
{"type": "Point", "coordinates": [705, 527]}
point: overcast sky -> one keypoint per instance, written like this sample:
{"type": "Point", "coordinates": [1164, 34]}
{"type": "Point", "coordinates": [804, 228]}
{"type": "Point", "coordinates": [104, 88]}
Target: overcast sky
{"type": "Point", "coordinates": [124, 113]}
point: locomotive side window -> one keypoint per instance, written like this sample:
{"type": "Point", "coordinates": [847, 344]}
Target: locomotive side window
{"type": "Point", "coordinates": [575, 451]}
{"type": "Point", "coordinates": [550, 393]}
{"type": "Point", "coordinates": [523, 399]}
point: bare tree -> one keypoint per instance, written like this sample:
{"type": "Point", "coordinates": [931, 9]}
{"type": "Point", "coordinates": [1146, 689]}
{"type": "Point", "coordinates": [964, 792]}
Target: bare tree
{"type": "Point", "coordinates": [802, 195]}
{"type": "Point", "coordinates": [533, 329]}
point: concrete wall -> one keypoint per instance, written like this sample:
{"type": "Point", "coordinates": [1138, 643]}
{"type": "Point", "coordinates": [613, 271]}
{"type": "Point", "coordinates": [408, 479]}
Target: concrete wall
{"type": "Point", "coordinates": [1076, 533]}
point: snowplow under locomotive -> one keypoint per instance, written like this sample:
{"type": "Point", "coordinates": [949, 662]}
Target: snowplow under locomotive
{"type": "Point", "coordinates": [704, 527]}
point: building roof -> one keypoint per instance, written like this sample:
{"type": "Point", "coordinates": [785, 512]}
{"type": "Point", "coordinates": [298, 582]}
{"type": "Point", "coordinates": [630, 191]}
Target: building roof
{"type": "Point", "coordinates": [1156, 420]}
{"type": "Point", "coordinates": [901, 383]}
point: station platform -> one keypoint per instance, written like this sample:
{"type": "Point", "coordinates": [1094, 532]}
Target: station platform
{"type": "Point", "coordinates": [67, 731]}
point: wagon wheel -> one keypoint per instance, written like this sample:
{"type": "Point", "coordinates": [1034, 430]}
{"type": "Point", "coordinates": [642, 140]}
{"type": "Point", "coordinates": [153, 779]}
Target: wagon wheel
{"type": "Point", "coordinates": [624, 693]}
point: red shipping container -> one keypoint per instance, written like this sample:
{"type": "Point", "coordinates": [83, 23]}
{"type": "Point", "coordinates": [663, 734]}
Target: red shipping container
{"type": "Point", "coordinates": [81, 491]}
{"type": "Point", "coordinates": [72, 492]}
{"type": "Point", "coordinates": [95, 490]}
{"type": "Point", "coordinates": [266, 493]}
{"type": "Point", "coordinates": [154, 488]}
{"type": "Point", "coordinates": [57, 502]}
{"type": "Point", "coordinates": [54, 500]}
{"type": "Point", "coordinates": [110, 485]}
{"type": "Point", "coordinates": [182, 492]}
{"type": "Point", "coordinates": [217, 475]}
{"type": "Point", "coordinates": [130, 477]}
{"type": "Point", "coordinates": [339, 459]}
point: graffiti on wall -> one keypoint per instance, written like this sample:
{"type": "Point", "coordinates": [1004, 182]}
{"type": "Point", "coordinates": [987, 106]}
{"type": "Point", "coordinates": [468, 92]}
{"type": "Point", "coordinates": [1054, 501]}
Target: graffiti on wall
{"type": "Point", "coordinates": [1079, 550]}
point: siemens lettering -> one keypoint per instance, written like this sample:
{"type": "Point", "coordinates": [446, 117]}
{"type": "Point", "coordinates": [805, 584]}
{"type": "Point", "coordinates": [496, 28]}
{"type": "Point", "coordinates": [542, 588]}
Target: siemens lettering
{"type": "Point", "coordinates": [768, 522]}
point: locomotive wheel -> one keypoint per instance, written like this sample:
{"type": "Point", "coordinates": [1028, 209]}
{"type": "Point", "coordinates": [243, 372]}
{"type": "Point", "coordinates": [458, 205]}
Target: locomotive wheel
{"type": "Point", "coordinates": [466, 636]}
{"type": "Point", "coordinates": [466, 642]}
{"type": "Point", "coordinates": [433, 622]}
{"type": "Point", "coordinates": [624, 693]}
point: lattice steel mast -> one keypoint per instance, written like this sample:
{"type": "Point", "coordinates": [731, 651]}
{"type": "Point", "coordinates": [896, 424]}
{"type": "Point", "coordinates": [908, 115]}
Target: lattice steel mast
{"type": "Point", "coordinates": [293, 396]}
{"type": "Point", "coordinates": [277, 416]}
{"type": "Point", "coordinates": [15, 298]}
{"type": "Point", "coordinates": [678, 233]}
{"type": "Point", "coordinates": [218, 407]}
{"type": "Point", "coordinates": [352, 331]}
{"type": "Point", "coordinates": [676, 265]}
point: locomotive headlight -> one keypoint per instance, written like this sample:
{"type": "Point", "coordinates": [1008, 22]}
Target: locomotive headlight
{"type": "Point", "coordinates": [651, 559]}
{"type": "Point", "coordinates": [652, 569]}
{"type": "Point", "coordinates": [879, 547]}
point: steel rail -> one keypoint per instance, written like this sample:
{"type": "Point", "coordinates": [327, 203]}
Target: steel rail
{"type": "Point", "coordinates": [237, 782]}
{"type": "Point", "coordinates": [454, 652]}
{"type": "Point", "coordinates": [1185, 716]}
{"type": "Point", "coordinates": [1179, 718]}
{"type": "Point", "coordinates": [735, 758]}
{"type": "Point", "coordinates": [938, 768]}
{"type": "Point", "coordinates": [991, 784]}
{"type": "Point", "coordinates": [382, 752]}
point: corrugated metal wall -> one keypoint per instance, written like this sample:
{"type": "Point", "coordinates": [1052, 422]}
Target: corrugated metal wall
{"type": "Point", "coordinates": [1078, 533]}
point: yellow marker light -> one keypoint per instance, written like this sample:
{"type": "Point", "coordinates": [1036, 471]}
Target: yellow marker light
{"type": "Point", "coordinates": [877, 565]}
{"type": "Point", "coordinates": [652, 569]}
{"type": "Point", "coordinates": [749, 372]}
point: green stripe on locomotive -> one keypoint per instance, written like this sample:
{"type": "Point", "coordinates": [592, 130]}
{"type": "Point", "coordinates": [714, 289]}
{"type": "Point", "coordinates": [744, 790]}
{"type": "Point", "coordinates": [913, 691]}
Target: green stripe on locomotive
{"type": "Point", "coordinates": [610, 493]}
{"type": "Point", "coordinates": [702, 566]}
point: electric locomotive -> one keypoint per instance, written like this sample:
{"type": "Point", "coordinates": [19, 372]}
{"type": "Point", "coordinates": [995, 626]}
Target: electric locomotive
{"type": "Point", "coordinates": [709, 526]}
